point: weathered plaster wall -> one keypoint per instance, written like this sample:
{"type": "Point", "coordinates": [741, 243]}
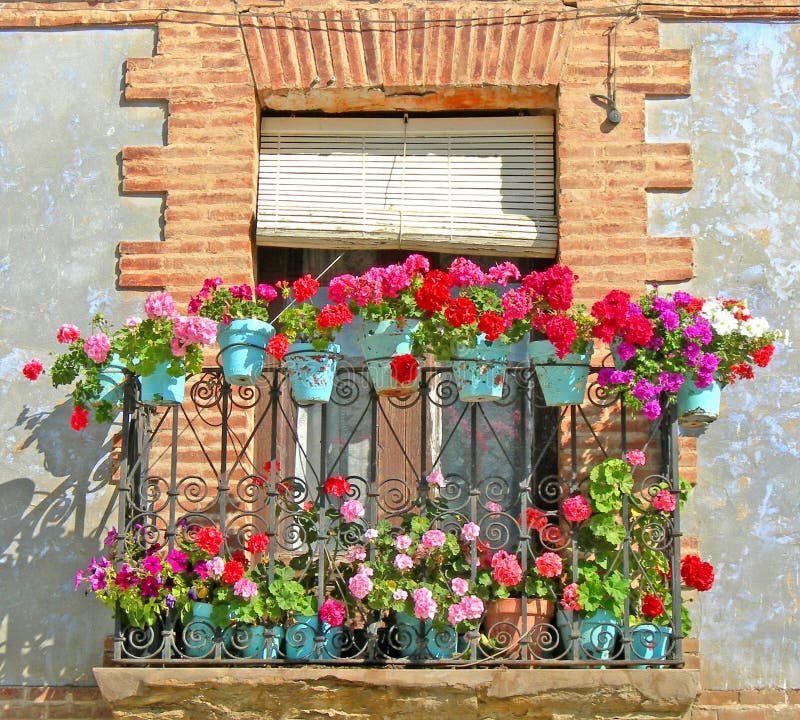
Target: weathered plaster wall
{"type": "Point", "coordinates": [744, 210]}
{"type": "Point", "coordinates": [61, 218]}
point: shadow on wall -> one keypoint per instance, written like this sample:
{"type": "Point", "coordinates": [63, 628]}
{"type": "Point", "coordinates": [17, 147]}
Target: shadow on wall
{"type": "Point", "coordinates": [45, 537]}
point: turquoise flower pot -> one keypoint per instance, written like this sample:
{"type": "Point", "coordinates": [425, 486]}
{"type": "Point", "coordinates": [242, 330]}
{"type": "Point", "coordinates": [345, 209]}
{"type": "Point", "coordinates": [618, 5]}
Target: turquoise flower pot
{"type": "Point", "coordinates": [380, 341]}
{"type": "Point", "coordinates": [300, 643]}
{"type": "Point", "coordinates": [243, 349]}
{"type": "Point", "coordinates": [403, 638]}
{"type": "Point", "coordinates": [480, 372]}
{"type": "Point", "coordinates": [112, 381]}
{"type": "Point", "coordinates": [311, 372]}
{"type": "Point", "coordinates": [198, 634]}
{"type": "Point", "coordinates": [563, 381]}
{"type": "Point", "coordinates": [599, 635]}
{"type": "Point", "coordinates": [649, 642]}
{"type": "Point", "coordinates": [249, 641]}
{"type": "Point", "coordinates": [160, 388]}
{"type": "Point", "coordinates": [697, 407]}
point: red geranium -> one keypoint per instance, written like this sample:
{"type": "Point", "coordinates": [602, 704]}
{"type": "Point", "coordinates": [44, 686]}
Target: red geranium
{"type": "Point", "coordinates": [334, 316]}
{"type": "Point", "coordinates": [535, 519]}
{"type": "Point", "coordinates": [611, 313]}
{"type": "Point", "coordinates": [404, 368]}
{"type": "Point", "coordinates": [460, 311]}
{"type": "Point", "coordinates": [304, 288]}
{"type": "Point", "coordinates": [638, 330]}
{"type": "Point", "coordinates": [233, 571]}
{"type": "Point", "coordinates": [743, 371]}
{"type": "Point", "coordinates": [652, 606]}
{"type": "Point", "coordinates": [209, 539]}
{"type": "Point", "coordinates": [277, 346]}
{"type": "Point", "coordinates": [697, 574]}
{"type": "Point", "coordinates": [762, 356]}
{"type": "Point", "coordinates": [32, 369]}
{"type": "Point", "coordinates": [239, 556]}
{"type": "Point", "coordinates": [492, 325]}
{"type": "Point", "coordinates": [79, 418]}
{"type": "Point", "coordinates": [337, 486]}
{"type": "Point", "coordinates": [257, 543]}
{"type": "Point", "coordinates": [553, 285]}
{"type": "Point", "coordinates": [435, 291]}
{"type": "Point", "coordinates": [560, 330]}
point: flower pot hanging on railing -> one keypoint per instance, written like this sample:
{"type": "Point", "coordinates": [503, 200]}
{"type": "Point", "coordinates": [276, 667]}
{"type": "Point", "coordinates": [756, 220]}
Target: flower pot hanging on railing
{"type": "Point", "coordinates": [480, 371]}
{"type": "Point", "coordinates": [386, 346]}
{"type": "Point", "coordinates": [563, 381]}
{"type": "Point", "coordinates": [243, 349]}
{"type": "Point", "coordinates": [697, 407]}
{"type": "Point", "coordinates": [161, 388]}
{"type": "Point", "coordinates": [404, 639]}
{"type": "Point", "coordinates": [250, 641]}
{"type": "Point", "coordinates": [598, 635]}
{"type": "Point", "coordinates": [311, 372]}
{"type": "Point", "coordinates": [301, 639]}
{"type": "Point", "coordinates": [112, 381]}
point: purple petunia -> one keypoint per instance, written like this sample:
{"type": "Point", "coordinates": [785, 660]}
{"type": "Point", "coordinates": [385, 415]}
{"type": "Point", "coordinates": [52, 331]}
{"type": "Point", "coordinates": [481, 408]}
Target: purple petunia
{"type": "Point", "coordinates": [651, 409]}
{"type": "Point", "coordinates": [670, 319]}
{"type": "Point", "coordinates": [645, 390]}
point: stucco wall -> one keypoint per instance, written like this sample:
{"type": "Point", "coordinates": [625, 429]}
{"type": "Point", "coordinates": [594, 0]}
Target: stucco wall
{"type": "Point", "coordinates": [744, 210]}
{"type": "Point", "coordinates": [61, 219]}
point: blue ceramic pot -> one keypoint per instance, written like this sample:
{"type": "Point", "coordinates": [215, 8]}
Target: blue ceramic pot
{"type": "Point", "coordinates": [300, 639]}
{"type": "Point", "coordinates": [649, 642]}
{"type": "Point", "coordinates": [563, 381]}
{"type": "Point", "coordinates": [311, 372]}
{"type": "Point", "coordinates": [697, 407]}
{"type": "Point", "coordinates": [112, 381]}
{"type": "Point", "coordinates": [249, 641]}
{"type": "Point", "coordinates": [479, 372]}
{"type": "Point", "coordinates": [160, 388]}
{"type": "Point", "coordinates": [198, 633]}
{"type": "Point", "coordinates": [380, 341]}
{"type": "Point", "coordinates": [599, 635]}
{"type": "Point", "coordinates": [409, 637]}
{"type": "Point", "coordinates": [242, 344]}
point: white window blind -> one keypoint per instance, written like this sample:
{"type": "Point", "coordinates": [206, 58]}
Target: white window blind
{"type": "Point", "coordinates": [481, 185]}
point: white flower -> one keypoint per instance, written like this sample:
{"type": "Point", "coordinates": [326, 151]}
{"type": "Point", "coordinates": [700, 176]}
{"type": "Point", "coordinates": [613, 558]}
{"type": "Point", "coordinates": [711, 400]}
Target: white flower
{"type": "Point", "coordinates": [754, 327]}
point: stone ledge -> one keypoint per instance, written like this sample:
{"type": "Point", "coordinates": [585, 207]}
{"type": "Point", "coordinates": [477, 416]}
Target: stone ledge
{"type": "Point", "coordinates": [366, 693]}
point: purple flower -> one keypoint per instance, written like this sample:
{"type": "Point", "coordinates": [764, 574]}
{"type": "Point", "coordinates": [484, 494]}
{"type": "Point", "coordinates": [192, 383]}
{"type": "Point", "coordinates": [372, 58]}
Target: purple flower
{"type": "Point", "coordinates": [661, 304]}
{"type": "Point", "coordinates": [651, 409]}
{"type": "Point", "coordinates": [670, 319]}
{"type": "Point", "coordinates": [201, 570]}
{"type": "Point", "coordinates": [192, 594]}
{"type": "Point", "coordinates": [681, 298]}
{"type": "Point", "coordinates": [691, 354]}
{"type": "Point", "coordinates": [655, 343]}
{"type": "Point", "coordinates": [604, 376]}
{"type": "Point", "coordinates": [626, 351]}
{"type": "Point", "coordinates": [111, 537]}
{"type": "Point", "coordinates": [78, 579]}
{"type": "Point", "coordinates": [670, 382]}
{"type": "Point", "coordinates": [700, 331]}
{"type": "Point", "coordinates": [644, 390]}
{"type": "Point", "coordinates": [170, 601]}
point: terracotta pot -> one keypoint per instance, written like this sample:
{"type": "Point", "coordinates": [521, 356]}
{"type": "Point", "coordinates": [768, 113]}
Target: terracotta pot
{"type": "Point", "coordinates": [511, 633]}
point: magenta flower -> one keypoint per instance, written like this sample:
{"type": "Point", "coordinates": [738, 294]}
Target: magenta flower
{"type": "Point", "coordinates": [150, 587]}
{"type": "Point", "coordinates": [332, 612]}
{"type": "Point", "coordinates": [651, 409]}
{"type": "Point", "coordinates": [494, 506]}
{"type": "Point", "coordinates": [110, 537]}
{"type": "Point", "coordinates": [152, 564]}
{"type": "Point", "coordinates": [177, 560]}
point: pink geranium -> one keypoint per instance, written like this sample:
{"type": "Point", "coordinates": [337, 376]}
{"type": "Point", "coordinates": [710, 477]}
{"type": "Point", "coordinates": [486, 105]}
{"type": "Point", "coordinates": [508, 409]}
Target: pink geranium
{"type": "Point", "coordinates": [549, 564]}
{"type": "Point", "coordinates": [68, 334]}
{"type": "Point", "coordinates": [97, 347]}
{"type": "Point", "coordinates": [351, 510]}
{"type": "Point", "coordinates": [569, 600]}
{"type": "Point", "coordinates": [470, 532]}
{"type": "Point", "coordinates": [160, 304]}
{"type": "Point", "coordinates": [576, 509]}
{"type": "Point", "coordinates": [635, 457]}
{"type": "Point", "coordinates": [433, 539]}
{"type": "Point", "coordinates": [664, 501]}
{"type": "Point", "coordinates": [424, 605]}
{"type": "Point", "coordinates": [332, 612]}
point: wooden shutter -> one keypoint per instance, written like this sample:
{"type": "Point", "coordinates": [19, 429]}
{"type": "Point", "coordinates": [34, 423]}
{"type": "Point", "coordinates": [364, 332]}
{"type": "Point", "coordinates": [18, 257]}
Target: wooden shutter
{"type": "Point", "coordinates": [462, 185]}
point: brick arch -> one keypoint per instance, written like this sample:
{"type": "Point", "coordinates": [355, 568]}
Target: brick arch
{"type": "Point", "coordinates": [380, 53]}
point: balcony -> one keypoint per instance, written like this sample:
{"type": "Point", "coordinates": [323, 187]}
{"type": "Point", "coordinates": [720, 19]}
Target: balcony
{"type": "Point", "coordinates": [250, 461]}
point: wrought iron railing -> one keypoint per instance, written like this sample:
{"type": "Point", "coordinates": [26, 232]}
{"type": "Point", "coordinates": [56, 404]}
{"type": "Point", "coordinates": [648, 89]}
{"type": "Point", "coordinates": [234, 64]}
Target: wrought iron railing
{"type": "Point", "coordinates": [202, 464]}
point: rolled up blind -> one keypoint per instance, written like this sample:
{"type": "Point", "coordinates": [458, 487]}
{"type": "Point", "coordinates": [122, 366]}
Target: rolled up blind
{"type": "Point", "coordinates": [463, 185]}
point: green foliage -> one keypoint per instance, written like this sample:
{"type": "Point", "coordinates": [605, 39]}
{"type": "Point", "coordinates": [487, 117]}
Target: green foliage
{"type": "Point", "coordinates": [608, 482]}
